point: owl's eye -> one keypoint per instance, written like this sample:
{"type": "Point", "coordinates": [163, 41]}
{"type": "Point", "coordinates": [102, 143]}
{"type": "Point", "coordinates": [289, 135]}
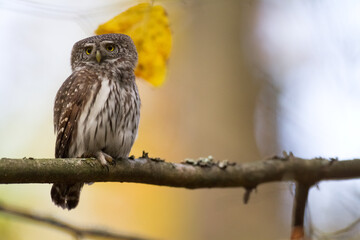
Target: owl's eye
{"type": "Point", "coordinates": [110, 47]}
{"type": "Point", "coordinates": [88, 50]}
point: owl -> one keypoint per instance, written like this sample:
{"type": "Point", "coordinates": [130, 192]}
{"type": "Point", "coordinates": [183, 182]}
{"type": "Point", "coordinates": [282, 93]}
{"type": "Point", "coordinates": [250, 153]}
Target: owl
{"type": "Point", "coordinates": [97, 108]}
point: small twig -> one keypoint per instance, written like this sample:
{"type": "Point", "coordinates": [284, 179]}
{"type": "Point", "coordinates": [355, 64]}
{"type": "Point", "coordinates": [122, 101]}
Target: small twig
{"type": "Point", "coordinates": [247, 195]}
{"type": "Point", "coordinates": [301, 195]}
{"type": "Point", "coordinates": [77, 232]}
{"type": "Point", "coordinates": [348, 232]}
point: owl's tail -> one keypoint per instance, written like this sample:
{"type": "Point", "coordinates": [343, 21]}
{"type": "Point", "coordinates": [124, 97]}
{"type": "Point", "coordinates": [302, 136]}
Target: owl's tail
{"type": "Point", "coordinates": [66, 195]}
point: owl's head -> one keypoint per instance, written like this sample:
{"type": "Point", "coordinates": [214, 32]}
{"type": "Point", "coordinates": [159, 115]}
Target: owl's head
{"type": "Point", "coordinates": [108, 49]}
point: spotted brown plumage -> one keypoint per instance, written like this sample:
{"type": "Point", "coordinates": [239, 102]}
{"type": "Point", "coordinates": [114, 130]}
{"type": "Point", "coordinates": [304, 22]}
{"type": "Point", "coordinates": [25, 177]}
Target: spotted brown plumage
{"type": "Point", "coordinates": [97, 109]}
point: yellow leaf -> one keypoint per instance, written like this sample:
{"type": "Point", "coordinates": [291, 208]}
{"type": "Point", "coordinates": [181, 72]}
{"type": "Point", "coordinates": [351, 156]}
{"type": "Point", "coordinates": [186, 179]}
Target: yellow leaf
{"type": "Point", "coordinates": [149, 28]}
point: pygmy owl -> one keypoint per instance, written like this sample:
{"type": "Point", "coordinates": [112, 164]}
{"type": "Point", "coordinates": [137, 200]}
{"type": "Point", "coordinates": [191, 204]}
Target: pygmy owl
{"type": "Point", "coordinates": [97, 108]}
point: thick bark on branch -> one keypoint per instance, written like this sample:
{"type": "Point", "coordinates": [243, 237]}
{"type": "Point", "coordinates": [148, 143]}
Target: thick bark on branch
{"type": "Point", "coordinates": [198, 174]}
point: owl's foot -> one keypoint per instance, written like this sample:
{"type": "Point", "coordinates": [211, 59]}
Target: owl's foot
{"type": "Point", "coordinates": [104, 158]}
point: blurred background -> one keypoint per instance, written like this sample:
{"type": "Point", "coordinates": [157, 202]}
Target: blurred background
{"type": "Point", "coordinates": [246, 80]}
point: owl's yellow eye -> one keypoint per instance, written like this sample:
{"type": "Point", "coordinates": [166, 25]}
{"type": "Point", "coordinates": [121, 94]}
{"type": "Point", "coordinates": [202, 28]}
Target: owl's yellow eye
{"type": "Point", "coordinates": [110, 47]}
{"type": "Point", "coordinates": [88, 50]}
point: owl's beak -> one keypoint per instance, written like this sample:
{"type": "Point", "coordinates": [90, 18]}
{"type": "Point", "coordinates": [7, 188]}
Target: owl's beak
{"type": "Point", "coordinates": [98, 56]}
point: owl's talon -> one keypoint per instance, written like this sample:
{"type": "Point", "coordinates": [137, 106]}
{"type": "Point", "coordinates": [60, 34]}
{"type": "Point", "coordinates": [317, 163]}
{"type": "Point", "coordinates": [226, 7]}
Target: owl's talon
{"type": "Point", "coordinates": [113, 162]}
{"type": "Point", "coordinates": [106, 167]}
{"type": "Point", "coordinates": [104, 159]}
{"type": "Point", "coordinates": [109, 159]}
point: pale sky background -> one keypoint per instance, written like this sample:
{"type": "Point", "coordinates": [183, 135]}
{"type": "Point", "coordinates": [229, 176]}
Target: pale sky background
{"type": "Point", "coordinates": [312, 53]}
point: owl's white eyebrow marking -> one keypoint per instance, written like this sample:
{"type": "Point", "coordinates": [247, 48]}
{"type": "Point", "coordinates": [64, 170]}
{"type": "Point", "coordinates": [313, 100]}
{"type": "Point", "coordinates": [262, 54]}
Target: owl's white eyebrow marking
{"type": "Point", "coordinates": [89, 44]}
{"type": "Point", "coordinates": [106, 42]}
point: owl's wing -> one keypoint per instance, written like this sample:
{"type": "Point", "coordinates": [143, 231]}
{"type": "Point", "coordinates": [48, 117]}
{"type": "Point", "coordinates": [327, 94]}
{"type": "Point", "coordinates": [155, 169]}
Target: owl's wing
{"type": "Point", "coordinates": [69, 103]}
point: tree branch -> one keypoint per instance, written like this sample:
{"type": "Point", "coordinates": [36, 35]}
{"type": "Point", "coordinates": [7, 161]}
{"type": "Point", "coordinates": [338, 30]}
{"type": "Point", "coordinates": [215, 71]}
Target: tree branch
{"type": "Point", "coordinates": [75, 231]}
{"type": "Point", "coordinates": [203, 173]}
